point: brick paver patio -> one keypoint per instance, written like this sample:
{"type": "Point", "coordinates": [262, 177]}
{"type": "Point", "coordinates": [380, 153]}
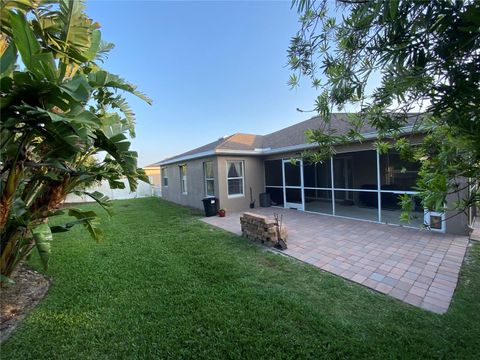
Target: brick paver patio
{"type": "Point", "coordinates": [418, 267]}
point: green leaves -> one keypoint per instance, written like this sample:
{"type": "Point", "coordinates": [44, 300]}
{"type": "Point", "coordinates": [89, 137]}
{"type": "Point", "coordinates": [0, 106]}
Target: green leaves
{"type": "Point", "coordinates": [24, 39]}
{"type": "Point", "coordinates": [78, 88]}
{"type": "Point", "coordinates": [293, 81]}
{"type": "Point", "coordinates": [391, 58]}
{"type": "Point", "coordinates": [59, 110]}
{"type": "Point", "coordinates": [95, 42]}
{"type": "Point", "coordinates": [407, 205]}
{"type": "Point", "coordinates": [43, 238]}
{"type": "Point", "coordinates": [6, 7]}
{"type": "Point", "coordinates": [122, 105]}
{"type": "Point", "coordinates": [8, 59]}
{"type": "Point", "coordinates": [40, 63]}
{"type": "Point", "coordinates": [104, 79]}
{"type": "Point", "coordinates": [382, 146]}
{"type": "Point", "coordinates": [89, 220]}
{"type": "Point", "coordinates": [118, 148]}
{"type": "Point", "coordinates": [101, 199]}
{"type": "Point", "coordinates": [76, 29]}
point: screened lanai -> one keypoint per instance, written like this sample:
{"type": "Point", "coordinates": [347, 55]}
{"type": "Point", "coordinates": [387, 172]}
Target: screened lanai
{"type": "Point", "coordinates": [362, 185]}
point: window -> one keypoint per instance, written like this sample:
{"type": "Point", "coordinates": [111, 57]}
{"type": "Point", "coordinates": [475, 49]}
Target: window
{"type": "Point", "coordinates": [209, 178]}
{"type": "Point", "coordinates": [235, 183]}
{"type": "Point", "coordinates": [165, 177]}
{"type": "Point", "coordinates": [183, 179]}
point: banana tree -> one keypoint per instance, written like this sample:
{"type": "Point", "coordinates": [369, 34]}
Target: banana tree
{"type": "Point", "coordinates": [64, 123]}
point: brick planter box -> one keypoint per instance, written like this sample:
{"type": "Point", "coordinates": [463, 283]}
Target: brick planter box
{"type": "Point", "coordinates": [262, 229]}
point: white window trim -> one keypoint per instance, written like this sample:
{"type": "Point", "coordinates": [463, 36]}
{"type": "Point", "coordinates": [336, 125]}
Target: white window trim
{"type": "Point", "coordinates": [242, 195]}
{"type": "Point", "coordinates": [205, 179]}
{"type": "Point", "coordinates": [182, 179]}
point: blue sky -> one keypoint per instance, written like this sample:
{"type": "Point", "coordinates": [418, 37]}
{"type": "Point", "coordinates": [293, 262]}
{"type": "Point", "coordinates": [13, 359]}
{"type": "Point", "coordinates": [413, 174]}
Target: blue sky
{"type": "Point", "coordinates": [211, 68]}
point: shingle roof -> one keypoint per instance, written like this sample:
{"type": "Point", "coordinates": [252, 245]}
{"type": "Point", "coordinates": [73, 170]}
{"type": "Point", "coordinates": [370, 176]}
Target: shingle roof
{"type": "Point", "coordinates": [290, 136]}
{"type": "Point", "coordinates": [238, 141]}
{"type": "Point", "coordinates": [295, 134]}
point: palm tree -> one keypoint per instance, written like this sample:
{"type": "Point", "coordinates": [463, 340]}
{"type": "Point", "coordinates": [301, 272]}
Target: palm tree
{"type": "Point", "coordinates": [60, 113]}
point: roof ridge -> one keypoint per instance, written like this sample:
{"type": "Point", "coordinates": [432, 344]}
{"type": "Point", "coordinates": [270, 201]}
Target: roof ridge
{"type": "Point", "coordinates": [225, 140]}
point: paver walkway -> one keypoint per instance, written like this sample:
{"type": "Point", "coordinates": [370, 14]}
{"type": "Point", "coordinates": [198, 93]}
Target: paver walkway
{"type": "Point", "coordinates": [419, 267]}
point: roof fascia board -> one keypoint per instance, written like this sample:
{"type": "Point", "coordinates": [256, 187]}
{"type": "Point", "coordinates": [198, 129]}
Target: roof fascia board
{"type": "Point", "coordinates": [238, 152]}
{"type": "Point", "coordinates": [188, 157]}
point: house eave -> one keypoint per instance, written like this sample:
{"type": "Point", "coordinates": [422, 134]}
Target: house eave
{"type": "Point", "coordinates": [269, 151]}
{"type": "Point", "coordinates": [187, 157]}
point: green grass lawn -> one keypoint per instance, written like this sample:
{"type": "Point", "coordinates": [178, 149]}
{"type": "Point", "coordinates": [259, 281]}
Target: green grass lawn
{"type": "Point", "coordinates": [164, 285]}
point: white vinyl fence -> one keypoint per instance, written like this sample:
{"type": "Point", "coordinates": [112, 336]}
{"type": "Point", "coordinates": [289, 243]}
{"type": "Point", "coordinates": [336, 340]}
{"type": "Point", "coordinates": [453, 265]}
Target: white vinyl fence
{"type": "Point", "coordinates": [143, 190]}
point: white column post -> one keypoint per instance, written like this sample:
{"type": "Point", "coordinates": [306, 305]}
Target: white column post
{"type": "Point", "coordinates": [332, 179]}
{"type": "Point", "coordinates": [379, 188]}
{"type": "Point", "coordinates": [284, 185]}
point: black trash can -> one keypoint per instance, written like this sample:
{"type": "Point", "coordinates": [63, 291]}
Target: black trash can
{"type": "Point", "coordinates": [265, 200]}
{"type": "Point", "coordinates": [210, 204]}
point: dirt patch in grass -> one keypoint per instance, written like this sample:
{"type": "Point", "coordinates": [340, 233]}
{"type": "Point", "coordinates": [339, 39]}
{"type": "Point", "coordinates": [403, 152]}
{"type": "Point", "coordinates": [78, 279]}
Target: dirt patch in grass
{"type": "Point", "coordinates": [19, 298]}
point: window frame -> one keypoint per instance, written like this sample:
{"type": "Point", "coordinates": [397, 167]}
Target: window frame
{"type": "Point", "coordinates": [206, 179]}
{"type": "Point", "coordinates": [164, 176]}
{"type": "Point", "coordinates": [231, 196]}
{"type": "Point", "coordinates": [183, 180]}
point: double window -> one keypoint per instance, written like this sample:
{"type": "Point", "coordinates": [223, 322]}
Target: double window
{"type": "Point", "coordinates": [183, 178]}
{"type": "Point", "coordinates": [235, 179]}
{"type": "Point", "coordinates": [209, 178]}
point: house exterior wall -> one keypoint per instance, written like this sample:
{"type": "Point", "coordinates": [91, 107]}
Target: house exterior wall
{"type": "Point", "coordinates": [154, 175]}
{"type": "Point", "coordinates": [195, 183]}
{"type": "Point", "coordinates": [457, 223]}
{"type": "Point", "coordinates": [253, 178]}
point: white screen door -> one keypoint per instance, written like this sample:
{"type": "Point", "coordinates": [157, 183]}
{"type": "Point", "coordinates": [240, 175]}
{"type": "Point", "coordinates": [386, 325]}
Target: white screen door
{"type": "Point", "coordinates": [293, 184]}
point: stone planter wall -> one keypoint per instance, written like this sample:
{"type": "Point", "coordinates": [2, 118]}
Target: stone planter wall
{"type": "Point", "coordinates": [262, 229]}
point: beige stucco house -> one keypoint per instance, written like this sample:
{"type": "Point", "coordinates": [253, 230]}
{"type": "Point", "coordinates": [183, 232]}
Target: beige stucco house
{"type": "Point", "coordinates": [357, 182]}
{"type": "Point", "coordinates": [153, 173]}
